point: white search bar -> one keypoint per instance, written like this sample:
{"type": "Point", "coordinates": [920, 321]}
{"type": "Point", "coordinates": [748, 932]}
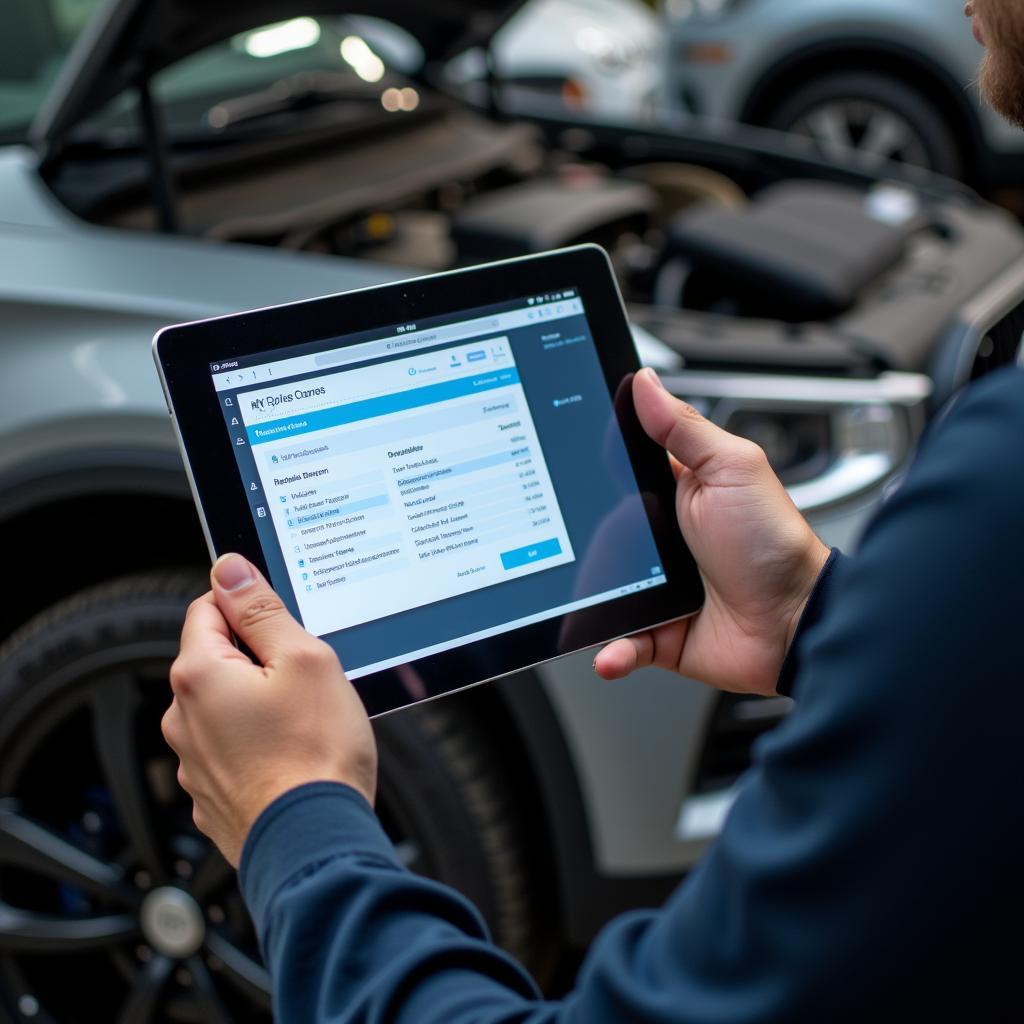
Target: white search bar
{"type": "Point", "coordinates": [408, 342]}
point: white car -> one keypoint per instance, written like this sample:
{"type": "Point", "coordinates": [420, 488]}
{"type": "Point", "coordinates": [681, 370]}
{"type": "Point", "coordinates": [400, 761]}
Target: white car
{"type": "Point", "coordinates": [605, 51]}
{"type": "Point", "coordinates": [598, 58]}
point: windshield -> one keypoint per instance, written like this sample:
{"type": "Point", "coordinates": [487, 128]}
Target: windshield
{"type": "Point", "coordinates": [245, 82]}
{"type": "Point", "coordinates": [35, 37]}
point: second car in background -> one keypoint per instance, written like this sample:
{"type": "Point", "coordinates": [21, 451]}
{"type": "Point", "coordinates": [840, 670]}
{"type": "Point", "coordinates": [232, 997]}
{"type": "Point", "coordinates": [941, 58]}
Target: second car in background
{"type": "Point", "coordinates": [892, 79]}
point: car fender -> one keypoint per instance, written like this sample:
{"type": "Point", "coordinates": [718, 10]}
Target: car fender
{"type": "Point", "coordinates": [942, 37]}
{"type": "Point", "coordinates": [597, 754]}
{"type": "Point", "coordinates": [807, 35]}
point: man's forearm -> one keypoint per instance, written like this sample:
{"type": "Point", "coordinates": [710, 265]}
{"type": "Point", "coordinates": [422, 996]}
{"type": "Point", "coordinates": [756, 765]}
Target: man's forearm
{"type": "Point", "coordinates": [351, 935]}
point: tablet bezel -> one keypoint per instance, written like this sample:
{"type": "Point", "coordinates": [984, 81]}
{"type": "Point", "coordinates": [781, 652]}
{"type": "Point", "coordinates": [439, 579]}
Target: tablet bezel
{"type": "Point", "coordinates": [183, 354]}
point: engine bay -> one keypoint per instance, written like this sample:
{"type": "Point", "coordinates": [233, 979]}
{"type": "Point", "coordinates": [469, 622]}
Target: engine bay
{"type": "Point", "coordinates": [785, 273]}
{"type": "Point", "coordinates": [729, 271]}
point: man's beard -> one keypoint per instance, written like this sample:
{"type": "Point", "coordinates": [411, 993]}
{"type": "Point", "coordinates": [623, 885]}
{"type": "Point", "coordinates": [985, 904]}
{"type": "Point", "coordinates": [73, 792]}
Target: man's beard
{"type": "Point", "coordinates": [1002, 84]}
{"type": "Point", "coordinates": [1002, 71]}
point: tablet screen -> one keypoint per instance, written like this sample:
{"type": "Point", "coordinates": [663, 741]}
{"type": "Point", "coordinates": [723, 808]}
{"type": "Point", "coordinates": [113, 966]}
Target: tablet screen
{"type": "Point", "coordinates": [427, 485]}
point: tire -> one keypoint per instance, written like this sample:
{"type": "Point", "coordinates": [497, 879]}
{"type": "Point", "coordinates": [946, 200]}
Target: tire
{"type": "Point", "coordinates": [442, 782]}
{"type": "Point", "coordinates": [84, 772]}
{"type": "Point", "coordinates": [908, 126]}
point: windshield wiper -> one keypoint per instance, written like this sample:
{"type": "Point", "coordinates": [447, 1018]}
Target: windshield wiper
{"type": "Point", "coordinates": [298, 92]}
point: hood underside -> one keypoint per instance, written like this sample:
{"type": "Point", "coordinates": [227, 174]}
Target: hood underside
{"type": "Point", "coordinates": [128, 41]}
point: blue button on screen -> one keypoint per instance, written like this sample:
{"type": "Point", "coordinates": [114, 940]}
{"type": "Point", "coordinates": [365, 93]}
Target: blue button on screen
{"type": "Point", "coordinates": [475, 357]}
{"type": "Point", "coordinates": [531, 553]}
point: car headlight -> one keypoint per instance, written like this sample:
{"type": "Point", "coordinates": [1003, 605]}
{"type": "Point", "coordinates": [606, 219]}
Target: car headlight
{"type": "Point", "coordinates": [611, 54]}
{"type": "Point", "coordinates": [829, 439]}
{"type": "Point", "coordinates": [707, 10]}
{"type": "Point", "coordinates": [796, 443]}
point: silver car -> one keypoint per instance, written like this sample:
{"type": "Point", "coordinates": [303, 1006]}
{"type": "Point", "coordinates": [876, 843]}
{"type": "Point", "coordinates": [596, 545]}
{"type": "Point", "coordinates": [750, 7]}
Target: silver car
{"type": "Point", "coordinates": [188, 161]}
{"type": "Point", "coordinates": [890, 78]}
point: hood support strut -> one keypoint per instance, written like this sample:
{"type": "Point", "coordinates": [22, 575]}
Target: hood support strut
{"type": "Point", "coordinates": [165, 191]}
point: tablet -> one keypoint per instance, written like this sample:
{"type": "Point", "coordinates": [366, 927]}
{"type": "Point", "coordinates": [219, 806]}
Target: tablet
{"type": "Point", "coordinates": [443, 478]}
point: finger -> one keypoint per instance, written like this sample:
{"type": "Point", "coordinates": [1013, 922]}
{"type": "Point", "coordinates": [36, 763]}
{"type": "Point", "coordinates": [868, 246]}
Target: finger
{"type": "Point", "coordinates": [660, 648]}
{"type": "Point", "coordinates": [623, 657]}
{"type": "Point", "coordinates": [206, 632]}
{"type": "Point", "coordinates": [676, 426]}
{"type": "Point", "coordinates": [252, 609]}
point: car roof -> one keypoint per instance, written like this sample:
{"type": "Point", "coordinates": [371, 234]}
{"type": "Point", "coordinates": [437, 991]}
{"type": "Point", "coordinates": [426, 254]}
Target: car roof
{"type": "Point", "coordinates": [127, 41]}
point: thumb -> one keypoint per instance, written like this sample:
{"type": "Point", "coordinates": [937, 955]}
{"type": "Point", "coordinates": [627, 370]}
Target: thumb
{"type": "Point", "coordinates": [254, 612]}
{"type": "Point", "coordinates": [678, 427]}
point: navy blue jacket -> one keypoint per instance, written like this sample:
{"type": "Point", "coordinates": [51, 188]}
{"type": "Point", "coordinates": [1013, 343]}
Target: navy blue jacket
{"type": "Point", "coordinates": [871, 869]}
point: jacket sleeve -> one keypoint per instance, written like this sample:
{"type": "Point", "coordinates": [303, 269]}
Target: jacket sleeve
{"type": "Point", "coordinates": [838, 889]}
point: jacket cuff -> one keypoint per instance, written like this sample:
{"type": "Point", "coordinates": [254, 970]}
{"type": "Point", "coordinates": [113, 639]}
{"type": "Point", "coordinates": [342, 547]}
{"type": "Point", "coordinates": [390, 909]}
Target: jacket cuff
{"type": "Point", "coordinates": [812, 612]}
{"type": "Point", "coordinates": [301, 830]}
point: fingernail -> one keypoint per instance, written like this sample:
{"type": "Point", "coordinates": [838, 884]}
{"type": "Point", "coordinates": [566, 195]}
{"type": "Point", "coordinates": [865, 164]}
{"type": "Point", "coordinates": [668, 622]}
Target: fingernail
{"type": "Point", "coordinates": [654, 378]}
{"type": "Point", "coordinates": [233, 572]}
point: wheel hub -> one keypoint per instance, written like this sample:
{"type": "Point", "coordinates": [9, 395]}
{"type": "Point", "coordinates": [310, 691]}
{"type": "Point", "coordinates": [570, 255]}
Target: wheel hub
{"type": "Point", "coordinates": [869, 128]}
{"type": "Point", "coordinates": [172, 922]}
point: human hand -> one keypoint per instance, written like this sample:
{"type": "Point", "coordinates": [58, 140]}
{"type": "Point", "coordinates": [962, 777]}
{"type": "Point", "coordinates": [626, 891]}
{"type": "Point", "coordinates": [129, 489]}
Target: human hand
{"type": "Point", "coordinates": [247, 733]}
{"type": "Point", "coordinates": [757, 554]}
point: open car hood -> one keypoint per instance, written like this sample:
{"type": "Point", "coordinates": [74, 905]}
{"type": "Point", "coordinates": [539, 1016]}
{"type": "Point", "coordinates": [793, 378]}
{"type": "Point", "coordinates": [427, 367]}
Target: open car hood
{"type": "Point", "coordinates": [129, 40]}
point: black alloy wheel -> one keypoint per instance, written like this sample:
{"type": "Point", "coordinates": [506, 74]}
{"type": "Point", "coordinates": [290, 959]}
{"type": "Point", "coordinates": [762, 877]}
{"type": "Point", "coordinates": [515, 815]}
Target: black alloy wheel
{"type": "Point", "coordinates": [875, 115]}
{"type": "Point", "coordinates": [113, 908]}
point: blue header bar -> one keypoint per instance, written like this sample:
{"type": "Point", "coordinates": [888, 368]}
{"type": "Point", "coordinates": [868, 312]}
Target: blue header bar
{"type": "Point", "coordinates": [353, 412]}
